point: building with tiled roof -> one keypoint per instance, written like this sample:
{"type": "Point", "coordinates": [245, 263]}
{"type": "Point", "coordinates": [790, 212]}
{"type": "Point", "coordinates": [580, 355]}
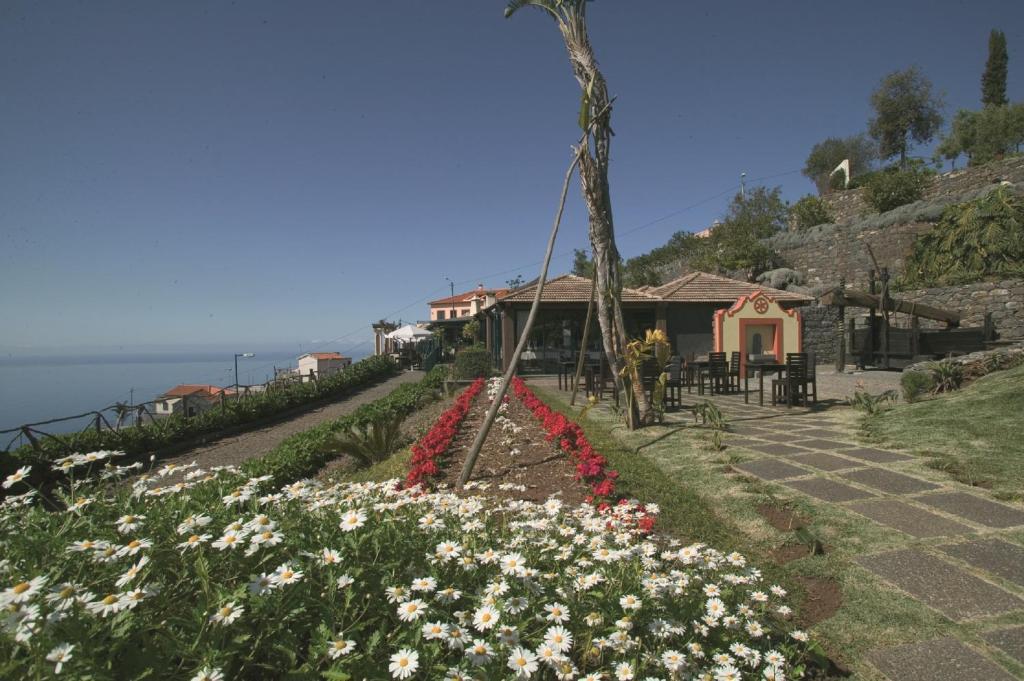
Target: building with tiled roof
{"type": "Point", "coordinates": [464, 305]}
{"type": "Point", "coordinates": [684, 309]}
{"type": "Point", "coordinates": [191, 399]}
{"type": "Point", "coordinates": [322, 364]}
{"type": "Point", "coordinates": [701, 287]}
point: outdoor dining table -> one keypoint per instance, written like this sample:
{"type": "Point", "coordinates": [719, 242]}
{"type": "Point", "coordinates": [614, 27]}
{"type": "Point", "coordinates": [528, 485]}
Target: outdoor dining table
{"type": "Point", "coordinates": [761, 367]}
{"type": "Point", "coordinates": [567, 372]}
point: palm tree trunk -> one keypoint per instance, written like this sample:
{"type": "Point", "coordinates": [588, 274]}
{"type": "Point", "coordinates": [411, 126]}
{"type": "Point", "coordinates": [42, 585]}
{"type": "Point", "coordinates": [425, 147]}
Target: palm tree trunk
{"type": "Point", "coordinates": [594, 184]}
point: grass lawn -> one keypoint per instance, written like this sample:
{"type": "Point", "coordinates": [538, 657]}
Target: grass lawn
{"type": "Point", "coordinates": [975, 434]}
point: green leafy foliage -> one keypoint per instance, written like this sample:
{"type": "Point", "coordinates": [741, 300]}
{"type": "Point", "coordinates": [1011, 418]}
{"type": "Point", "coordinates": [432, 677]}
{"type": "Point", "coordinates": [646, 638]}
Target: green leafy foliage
{"type": "Point", "coordinates": [947, 375]}
{"type": "Point", "coordinates": [471, 363]}
{"type": "Point", "coordinates": [915, 384]}
{"type": "Point", "coordinates": [373, 442]}
{"type": "Point", "coordinates": [985, 135]}
{"type": "Point", "coordinates": [906, 110]}
{"type": "Point", "coordinates": [972, 240]}
{"type": "Point", "coordinates": [829, 153]}
{"type": "Point", "coordinates": [174, 430]}
{"type": "Point", "coordinates": [894, 188]}
{"type": "Point", "coordinates": [303, 454]}
{"type": "Point", "coordinates": [471, 331]}
{"type": "Point", "coordinates": [993, 80]}
{"type": "Point", "coordinates": [809, 212]}
{"type": "Point", "coordinates": [872, 404]}
{"type": "Point", "coordinates": [582, 265]}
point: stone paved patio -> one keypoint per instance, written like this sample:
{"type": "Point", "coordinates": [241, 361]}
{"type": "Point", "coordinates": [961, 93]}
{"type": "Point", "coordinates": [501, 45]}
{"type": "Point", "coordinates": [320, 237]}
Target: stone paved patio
{"type": "Point", "coordinates": [961, 555]}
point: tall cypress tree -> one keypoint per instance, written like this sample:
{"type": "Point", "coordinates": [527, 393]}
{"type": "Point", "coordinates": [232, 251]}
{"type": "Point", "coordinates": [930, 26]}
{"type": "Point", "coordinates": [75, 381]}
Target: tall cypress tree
{"type": "Point", "coordinates": [993, 81]}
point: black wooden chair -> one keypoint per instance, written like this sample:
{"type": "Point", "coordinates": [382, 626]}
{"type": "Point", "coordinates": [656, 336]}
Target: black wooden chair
{"type": "Point", "coordinates": [601, 381]}
{"type": "Point", "coordinates": [734, 371]}
{"type": "Point", "coordinates": [793, 386]}
{"type": "Point", "coordinates": [717, 373]}
{"type": "Point", "coordinates": [674, 385]}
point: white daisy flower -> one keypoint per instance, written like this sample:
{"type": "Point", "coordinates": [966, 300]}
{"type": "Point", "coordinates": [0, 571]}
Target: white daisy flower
{"type": "Point", "coordinates": [16, 477]}
{"type": "Point", "coordinates": [227, 614]}
{"type": "Point", "coordinates": [339, 647]}
{"type": "Point", "coordinates": [208, 674]}
{"type": "Point", "coordinates": [404, 663]}
{"type": "Point", "coordinates": [59, 655]}
{"type": "Point", "coordinates": [523, 662]}
{"type": "Point", "coordinates": [410, 611]}
{"type": "Point", "coordinates": [352, 520]}
{"type": "Point", "coordinates": [22, 592]}
{"type": "Point", "coordinates": [485, 618]}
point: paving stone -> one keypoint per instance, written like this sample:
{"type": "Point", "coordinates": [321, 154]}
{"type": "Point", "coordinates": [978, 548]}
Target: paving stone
{"type": "Point", "coordinates": [818, 443]}
{"type": "Point", "coordinates": [778, 449]}
{"type": "Point", "coordinates": [770, 469]}
{"type": "Point", "coordinates": [742, 442]}
{"type": "Point", "coordinates": [887, 481]}
{"type": "Point", "coordinates": [905, 518]}
{"type": "Point", "coordinates": [992, 555]}
{"type": "Point", "coordinates": [828, 490]}
{"type": "Point", "coordinates": [975, 509]}
{"type": "Point", "coordinates": [942, 659]}
{"type": "Point", "coordinates": [875, 455]}
{"type": "Point", "coordinates": [825, 462]}
{"type": "Point", "coordinates": [955, 593]}
{"type": "Point", "coordinates": [778, 437]}
{"type": "Point", "coordinates": [1010, 641]}
{"type": "Point", "coordinates": [823, 433]}
{"type": "Point", "coordinates": [746, 429]}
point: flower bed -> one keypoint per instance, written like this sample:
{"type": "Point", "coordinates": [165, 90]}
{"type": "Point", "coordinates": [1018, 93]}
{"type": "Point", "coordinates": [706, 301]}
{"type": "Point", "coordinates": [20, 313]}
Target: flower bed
{"type": "Point", "coordinates": [591, 467]}
{"type": "Point", "coordinates": [426, 453]}
{"type": "Point", "coordinates": [224, 578]}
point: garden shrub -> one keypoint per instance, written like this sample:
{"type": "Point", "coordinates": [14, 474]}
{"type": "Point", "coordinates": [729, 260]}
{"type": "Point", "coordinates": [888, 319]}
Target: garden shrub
{"type": "Point", "coordinates": [809, 212]}
{"type": "Point", "coordinates": [915, 384]}
{"type": "Point", "coordinates": [894, 188]}
{"type": "Point", "coordinates": [947, 375]}
{"type": "Point", "coordinates": [472, 362]}
{"type": "Point", "coordinates": [980, 238]}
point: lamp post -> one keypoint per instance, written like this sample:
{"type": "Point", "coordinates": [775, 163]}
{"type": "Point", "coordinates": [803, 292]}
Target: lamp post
{"type": "Point", "coordinates": [237, 355]}
{"type": "Point", "coordinates": [451, 284]}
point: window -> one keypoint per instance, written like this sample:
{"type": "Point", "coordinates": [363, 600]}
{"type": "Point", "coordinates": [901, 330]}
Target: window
{"type": "Point", "coordinates": [465, 313]}
{"type": "Point", "coordinates": [440, 314]}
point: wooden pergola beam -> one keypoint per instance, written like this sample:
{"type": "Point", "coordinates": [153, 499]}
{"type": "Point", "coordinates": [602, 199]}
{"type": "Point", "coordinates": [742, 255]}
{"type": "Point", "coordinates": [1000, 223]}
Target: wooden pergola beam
{"type": "Point", "coordinates": [850, 298]}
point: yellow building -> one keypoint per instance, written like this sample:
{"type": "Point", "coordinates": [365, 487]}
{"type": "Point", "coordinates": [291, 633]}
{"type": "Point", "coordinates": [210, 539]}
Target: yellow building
{"type": "Point", "coordinates": [757, 325]}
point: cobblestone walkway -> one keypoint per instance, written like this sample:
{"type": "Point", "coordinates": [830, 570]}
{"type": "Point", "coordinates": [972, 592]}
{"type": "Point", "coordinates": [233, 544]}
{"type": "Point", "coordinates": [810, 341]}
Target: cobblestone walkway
{"type": "Point", "coordinates": [962, 556]}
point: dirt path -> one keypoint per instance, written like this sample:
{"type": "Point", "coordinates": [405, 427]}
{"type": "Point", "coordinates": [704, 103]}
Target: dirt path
{"type": "Point", "coordinates": [233, 450]}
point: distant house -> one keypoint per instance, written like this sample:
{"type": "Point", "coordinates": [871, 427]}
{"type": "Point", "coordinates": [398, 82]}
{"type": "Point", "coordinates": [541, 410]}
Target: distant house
{"type": "Point", "coordinates": [464, 305]}
{"type": "Point", "coordinates": [191, 399]}
{"type": "Point", "coordinates": [322, 364]}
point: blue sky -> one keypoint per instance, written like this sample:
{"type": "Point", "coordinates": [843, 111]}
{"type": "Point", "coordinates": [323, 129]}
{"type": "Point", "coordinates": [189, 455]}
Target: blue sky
{"type": "Point", "coordinates": [262, 173]}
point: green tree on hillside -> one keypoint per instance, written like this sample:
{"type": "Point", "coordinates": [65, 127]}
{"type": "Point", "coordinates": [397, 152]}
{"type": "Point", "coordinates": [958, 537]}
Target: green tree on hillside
{"type": "Point", "coordinates": [993, 80]}
{"type": "Point", "coordinates": [736, 243]}
{"type": "Point", "coordinates": [582, 265]}
{"type": "Point", "coordinates": [906, 110]}
{"type": "Point", "coordinates": [984, 135]}
{"type": "Point", "coordinates": [829, 153]}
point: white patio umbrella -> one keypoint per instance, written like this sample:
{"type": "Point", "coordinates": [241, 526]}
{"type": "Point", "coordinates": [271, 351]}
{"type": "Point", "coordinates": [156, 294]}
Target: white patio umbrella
{"type": "Point", "coordinates": [409, 333]}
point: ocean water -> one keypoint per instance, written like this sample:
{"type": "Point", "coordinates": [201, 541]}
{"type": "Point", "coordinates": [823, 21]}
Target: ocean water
{"type": "Point", "coordinates": [34, 389]}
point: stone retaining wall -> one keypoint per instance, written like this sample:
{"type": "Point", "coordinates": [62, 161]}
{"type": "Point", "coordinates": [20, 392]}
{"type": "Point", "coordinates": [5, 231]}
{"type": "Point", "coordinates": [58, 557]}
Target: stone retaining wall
{"type": "Point", "coordinates": [819, 332]}
{"type": "Point", "coordinates": [846, 206]}
{"type": "Point", "coordinates": [1004, 299]}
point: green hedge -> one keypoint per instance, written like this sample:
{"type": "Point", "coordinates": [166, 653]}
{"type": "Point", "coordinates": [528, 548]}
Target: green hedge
{"type": "Point", "coordinates": [303, 454]}
{"type": "Point", "coordinates": [472, 363]}
{"type": "Point", "coordinates": [142, 440]}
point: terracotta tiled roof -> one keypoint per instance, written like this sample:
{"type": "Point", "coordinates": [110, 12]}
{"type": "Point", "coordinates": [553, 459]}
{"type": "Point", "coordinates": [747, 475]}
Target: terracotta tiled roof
{"type": "Point", "coordinates": [701, 287]}
{"type": "Point", "coordinates": [324, 355]}
{"type": "Point", "coordinates": [197, 390]}
{"type": "Point", "coordinates": [569, 288]}
{"type": "Point", "coordinates": [470, 295]}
